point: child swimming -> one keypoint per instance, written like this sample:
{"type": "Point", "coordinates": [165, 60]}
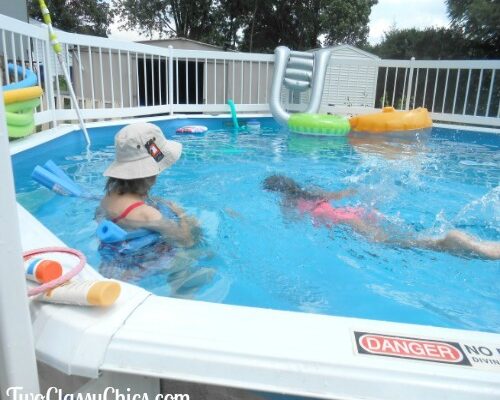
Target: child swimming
{"type": "Point", "coordinates": [142, 153]}
{"type": "Point", "coordinates": [316, 203]}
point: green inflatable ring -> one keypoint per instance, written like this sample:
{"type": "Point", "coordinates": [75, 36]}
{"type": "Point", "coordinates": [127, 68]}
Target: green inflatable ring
{"type": "Point", "coordinates": [319, 124]}
{"type": "Point", "coordinates": [20, 119]}
{"type": "Point", "coordinates": [20, 131]}
{"type": "Point", "coordinates": [23, 105]}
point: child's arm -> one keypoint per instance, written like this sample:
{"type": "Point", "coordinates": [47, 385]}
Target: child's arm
{"type": "Point", "coordinates": [332, 195]}
{"type": "Point", "coordinates": [340, 195]}
{"type": "Point", "coordinates": [184, 232]}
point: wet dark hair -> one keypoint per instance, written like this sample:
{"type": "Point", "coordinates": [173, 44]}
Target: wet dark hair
{"type": "Point", "coordinates": [287, 186]}
{"type": "Point", "coordinates": [139, 186]}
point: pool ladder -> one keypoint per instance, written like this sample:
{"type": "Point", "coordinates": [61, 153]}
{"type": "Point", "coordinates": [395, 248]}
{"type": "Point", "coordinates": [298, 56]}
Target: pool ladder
{"type": "Point", "coordinates": [298, 71]}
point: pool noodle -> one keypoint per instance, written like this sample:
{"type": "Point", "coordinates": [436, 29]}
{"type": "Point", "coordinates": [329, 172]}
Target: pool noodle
{"type": "Point", "coordinates": [29, 80]}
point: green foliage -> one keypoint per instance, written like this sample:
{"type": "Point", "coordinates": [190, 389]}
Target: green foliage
{"type": "Point", "coordinates": [202, 20]}
{"type": "Point", "coordinates": [346, 22]}
{"type": "Point", "coordinates": [478, 21]}
{"type": "Point", "coordinates": [426, 44]}
{"type": "Point", "coordinates": [90, 17]}
{"type": "Point", "coordinates": [253, 25]}
{"type": "Point", "coordinates": [299, 24]}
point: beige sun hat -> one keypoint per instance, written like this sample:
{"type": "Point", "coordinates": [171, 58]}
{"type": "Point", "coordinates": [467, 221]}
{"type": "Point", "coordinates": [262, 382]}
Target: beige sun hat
{"type": "Point", "coordinates": [142, 151]}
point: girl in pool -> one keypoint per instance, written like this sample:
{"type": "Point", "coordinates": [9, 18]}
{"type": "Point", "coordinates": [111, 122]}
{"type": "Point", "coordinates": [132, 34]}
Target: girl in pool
{"type": "Point", "coordinates": [142, 153]}
{"type": "Point", "coordinates": [316, 203]}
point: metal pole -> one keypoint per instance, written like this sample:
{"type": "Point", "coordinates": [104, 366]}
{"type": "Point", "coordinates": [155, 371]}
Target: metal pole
{"type": "Point", "coordinates": [171, 79]}
{"type": "Point", "coordinates": [17, 350]}
{"type": "Point", "coordinates": [58, 50]}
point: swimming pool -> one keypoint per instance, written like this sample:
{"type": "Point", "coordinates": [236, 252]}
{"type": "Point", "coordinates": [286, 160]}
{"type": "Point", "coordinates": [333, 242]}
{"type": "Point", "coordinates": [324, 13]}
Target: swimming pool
{"type": "Point", "coordinates": [430, 182]}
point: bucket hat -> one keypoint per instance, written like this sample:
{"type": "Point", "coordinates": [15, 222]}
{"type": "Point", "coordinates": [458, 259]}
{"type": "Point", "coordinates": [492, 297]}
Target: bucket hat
{"type": "Point", "coordinates": [142, 151]}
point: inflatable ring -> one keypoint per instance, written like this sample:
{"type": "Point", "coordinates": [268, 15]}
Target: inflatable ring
{"type": "Point", "coordinates": [23, 105]}
{"type": "Point", "coordinates": [13, 96]}
{"type": "Point", "coordinates": [319, 124]}
{"type": "Point", "coordinates": [192, 129]}
{"type": "Point", "coordinates": [390, 120]}
{"type": "Point", "coordinates": [20, 131]}
{"type": "Point", "coordinates": [20, 119]}
{"type": "Point", "coordinates": [29, 80]}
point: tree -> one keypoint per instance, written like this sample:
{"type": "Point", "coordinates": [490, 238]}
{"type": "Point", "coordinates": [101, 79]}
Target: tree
{"type": "Point", "coordinates": [90, 17]}
{"type": "Point", "coordinates": [479, 22]}
{"type": "Point", "coordinates": [429, 43]}
{"type": "Point", "coordinates": [346, 21]}
{"type": "Point", "coordinates": [252, 25]}
{"type": "Point", "coordinates": [197, 20]}
{"type": "Point", "coordinates": [299, 24]}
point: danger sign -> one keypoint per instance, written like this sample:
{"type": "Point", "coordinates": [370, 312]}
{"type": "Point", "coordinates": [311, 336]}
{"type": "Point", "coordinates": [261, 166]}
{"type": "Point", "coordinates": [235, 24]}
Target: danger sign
{"type": "Point", "coordinates": [411, 348]}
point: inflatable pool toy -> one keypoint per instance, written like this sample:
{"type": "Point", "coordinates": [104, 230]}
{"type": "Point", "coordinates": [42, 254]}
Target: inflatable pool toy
{"type": "Point", "coordinates": [21, 98]}
{"type": "Point", "coordinates": [319, 124]}
{"type": "Point", "coordinates": [390, 120]}
{"type": "Point", "coordinates": [192, 129]}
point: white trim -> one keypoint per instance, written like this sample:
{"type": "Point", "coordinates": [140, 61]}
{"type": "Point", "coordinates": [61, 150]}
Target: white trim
{"type": "Point", "coordinates": [23, 28]}
{"type": "Point", "coordinates": [467, 128]}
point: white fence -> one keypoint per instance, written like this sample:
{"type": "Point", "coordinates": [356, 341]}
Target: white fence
{"type": "Point", "coordinates": [114, 79]}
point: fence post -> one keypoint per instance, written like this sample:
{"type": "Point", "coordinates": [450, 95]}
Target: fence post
{"type": "Point", "coordinates": [171, 79]}
{"type": "Point", "coordinates": [48, 75]}
{"type": "Point", "coordinates": [410, 84]}
{"type": "Point", "coordinates": [17, 356]}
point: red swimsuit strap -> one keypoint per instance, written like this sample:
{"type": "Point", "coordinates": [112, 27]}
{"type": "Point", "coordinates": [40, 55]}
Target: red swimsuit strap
{"type": "Point", "coordinates": [128, 210]}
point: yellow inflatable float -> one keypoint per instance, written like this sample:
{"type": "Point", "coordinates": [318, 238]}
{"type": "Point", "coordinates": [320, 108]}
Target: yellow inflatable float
{"type": "Point", "coordinates": [390, 120]}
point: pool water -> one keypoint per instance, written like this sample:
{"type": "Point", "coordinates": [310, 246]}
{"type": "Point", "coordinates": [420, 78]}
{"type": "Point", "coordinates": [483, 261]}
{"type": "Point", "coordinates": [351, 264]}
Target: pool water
{"type": "Point", "coordinates": [425, 183]}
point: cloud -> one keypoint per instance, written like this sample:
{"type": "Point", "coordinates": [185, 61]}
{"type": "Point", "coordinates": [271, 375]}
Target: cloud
{"type": "Point", "coordinates": [405, 14]}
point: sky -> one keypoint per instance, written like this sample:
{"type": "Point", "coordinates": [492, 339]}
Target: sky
{"type": "Point", "coordinates": [401, 13]}
{"type": "Point", "coordinates": [405, 14]}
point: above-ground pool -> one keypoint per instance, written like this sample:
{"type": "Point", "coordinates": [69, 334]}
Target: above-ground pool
{"type": "Point", "coordinates": [263, 256]}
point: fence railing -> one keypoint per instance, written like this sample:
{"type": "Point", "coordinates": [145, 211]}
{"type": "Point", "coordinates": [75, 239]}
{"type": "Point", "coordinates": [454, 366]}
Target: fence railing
{"type": "Point", "coordinates": [114, 79]}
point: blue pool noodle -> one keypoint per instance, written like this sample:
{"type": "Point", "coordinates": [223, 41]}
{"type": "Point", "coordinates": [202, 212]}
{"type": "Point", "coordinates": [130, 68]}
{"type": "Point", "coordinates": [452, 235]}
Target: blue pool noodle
{"type": "Point", "coordinates": [29, 80]}
{"type": "Point", "coordinates": [55, 183]}
{"type": "Point", "coordinates": [109, 232]}
{"type": "Point", "coordinates": [233, 113]}
{"type": "Point", "coordinates": [51, 166]}
{"type": "Point", "coordinates": [127, 241]}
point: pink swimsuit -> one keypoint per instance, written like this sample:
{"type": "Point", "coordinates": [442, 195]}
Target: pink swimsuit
{"type": "Point", "coordinates": [324, 212]}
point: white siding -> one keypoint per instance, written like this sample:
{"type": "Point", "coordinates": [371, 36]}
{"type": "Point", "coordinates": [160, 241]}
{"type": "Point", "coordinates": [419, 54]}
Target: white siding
{"type": "Point", "coordinates": [349, 85]}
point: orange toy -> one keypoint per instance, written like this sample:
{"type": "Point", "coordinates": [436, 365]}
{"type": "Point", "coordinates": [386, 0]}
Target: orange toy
{"type": "Point", "coordinates": [390, 120]}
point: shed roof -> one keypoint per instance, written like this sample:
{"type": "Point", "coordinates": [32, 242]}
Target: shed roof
{"type": "Point", "coordinates": [348, 51]}
{"type": "Point", "coordinates": [189, 42]}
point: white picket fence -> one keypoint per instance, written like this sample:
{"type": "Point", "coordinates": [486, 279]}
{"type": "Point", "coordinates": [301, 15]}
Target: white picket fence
{"type": "Point", "coordinates": [115, 79]}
